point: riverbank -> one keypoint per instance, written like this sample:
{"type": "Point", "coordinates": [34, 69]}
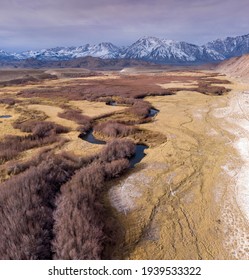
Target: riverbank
{"type": "Point", "coordinates": [181, 203]}
{"type": "Point", "coordinates": [234, 119]}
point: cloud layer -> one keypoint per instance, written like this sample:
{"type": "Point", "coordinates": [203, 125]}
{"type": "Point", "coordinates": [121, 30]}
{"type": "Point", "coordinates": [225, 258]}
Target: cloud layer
{"type": "Point", "coordinates": [37, 24]}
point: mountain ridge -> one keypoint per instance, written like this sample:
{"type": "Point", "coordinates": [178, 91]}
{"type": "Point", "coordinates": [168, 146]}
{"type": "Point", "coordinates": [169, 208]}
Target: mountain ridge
{"type": "Point", "coordinates": [147, 48]}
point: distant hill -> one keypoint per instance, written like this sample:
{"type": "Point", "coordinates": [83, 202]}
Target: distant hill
{"type": "Point", "coordinates": [92, 63]}
{"type": "Point", "coordinates": [237, 67]}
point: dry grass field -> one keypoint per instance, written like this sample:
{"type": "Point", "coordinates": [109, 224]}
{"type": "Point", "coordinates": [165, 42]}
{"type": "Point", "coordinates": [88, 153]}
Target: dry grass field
{"type": "Point", "coordinates": [177, 203]}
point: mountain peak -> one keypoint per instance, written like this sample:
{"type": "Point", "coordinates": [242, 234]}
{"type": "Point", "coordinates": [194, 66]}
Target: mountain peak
{"type": "Point", "coordinates": [148, 48]}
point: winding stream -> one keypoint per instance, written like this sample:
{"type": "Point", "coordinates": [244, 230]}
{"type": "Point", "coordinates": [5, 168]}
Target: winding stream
{"type": "Point", "coordinates": [153, 112]}
{"type": "Point", "coordinates": [139, 151]}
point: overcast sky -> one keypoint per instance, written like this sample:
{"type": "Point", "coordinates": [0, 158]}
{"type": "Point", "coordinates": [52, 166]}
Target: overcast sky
{"type": "Point", "coordinates": [32, 24]}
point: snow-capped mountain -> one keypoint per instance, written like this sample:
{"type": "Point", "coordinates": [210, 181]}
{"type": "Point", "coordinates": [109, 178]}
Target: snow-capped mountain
{"type": "Point", "coordinates": [102, 50]}
{"type": "Point", "coordinates": [147, 48]}
{"type": "Point", "coordinates": [5, 56]}
{"type": "Point", "coordinates": [163, 50]}
{"type": "Point", "coordinates": [230, 46]}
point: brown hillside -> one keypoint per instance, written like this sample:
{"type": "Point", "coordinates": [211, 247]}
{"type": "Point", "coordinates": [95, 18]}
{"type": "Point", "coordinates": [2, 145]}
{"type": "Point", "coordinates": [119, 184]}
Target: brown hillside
{"type": "Point", "coordinates": [237, 67]}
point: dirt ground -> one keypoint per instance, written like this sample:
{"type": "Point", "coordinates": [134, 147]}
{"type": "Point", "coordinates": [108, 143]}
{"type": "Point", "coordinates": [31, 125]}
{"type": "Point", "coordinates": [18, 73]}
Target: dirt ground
{"type": "Point", "coordinates": [180, 202]}
{"type": "Point", "coordinates": [186, 198]}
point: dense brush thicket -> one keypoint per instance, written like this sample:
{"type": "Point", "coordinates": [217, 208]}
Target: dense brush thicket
{"type": "Point", "coordinates": [117, 149]}
{"type": "Point", "coordinates": [114, 129]}
{"type": "Point", "coordinates": [8, 101]}
{"type": "Point", "coordinates": [42, 133]}
{"type": "Point", "coordinates": [26, 209]}
{"type": "Point", "coordinates": [79, 228]}
{"type": "Point", "coordinates": [140, 108]}
{"type": "Point", "coordinates": [85, 122]}
{"type": "Point", "coordinates": [49, 211]}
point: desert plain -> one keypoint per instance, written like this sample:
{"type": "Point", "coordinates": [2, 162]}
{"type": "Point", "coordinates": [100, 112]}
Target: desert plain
{"type": "Point", "coordinates": [186, 199]}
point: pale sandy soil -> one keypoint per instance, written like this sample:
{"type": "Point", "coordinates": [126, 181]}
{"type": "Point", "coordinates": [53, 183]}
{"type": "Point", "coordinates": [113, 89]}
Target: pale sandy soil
{"type": "Point", "coordinates": [181, 85]}
{"type": "Point", "coordinates": [6, 124]}
{"type": "Point", "coordinates": [52, 113]}
{"type": "Point", "coordinates": [95, 109]}
{"type": "Point", "coordinates": [181, 202]}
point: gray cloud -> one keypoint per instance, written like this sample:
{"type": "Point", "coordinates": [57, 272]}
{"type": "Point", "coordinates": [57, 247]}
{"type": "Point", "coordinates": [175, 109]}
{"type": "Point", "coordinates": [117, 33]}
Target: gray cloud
{"type": "Point", "coordinates": [37, 24]}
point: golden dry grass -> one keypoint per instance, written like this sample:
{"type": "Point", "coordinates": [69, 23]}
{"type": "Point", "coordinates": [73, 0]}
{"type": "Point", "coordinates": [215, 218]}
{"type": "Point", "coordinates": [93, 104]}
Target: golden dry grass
{"type": "Point", "coordinates": [167, 205]}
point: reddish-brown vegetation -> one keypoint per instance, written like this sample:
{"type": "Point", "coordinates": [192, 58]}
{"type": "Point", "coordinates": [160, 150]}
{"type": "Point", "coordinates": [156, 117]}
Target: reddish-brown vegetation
{"type": "Point", "coordinates": [140, 108]}
{"type": "Point", "coordinates": [27, 79]}
{"type": "Point", "coordinates": [126, 87]}
{"type": "Point", "coordinates": [85, 122]}
{"type": "Point", "coordinates": [81, 229]}
{"type": "Point", "coordinates": [8, 101]}
{"type": "Point", "coordinates": [117, 149]}
{"type": "Point", "coordinates": [114, 129]}
{"type": "Point", "coordinates": [43, 133]}
{"type": "Point", "coordinates": [76, 225]}
{"type": "Point", "coordinates": [115, 168]}
{"type": "Point", "coordinates": [27, 204]}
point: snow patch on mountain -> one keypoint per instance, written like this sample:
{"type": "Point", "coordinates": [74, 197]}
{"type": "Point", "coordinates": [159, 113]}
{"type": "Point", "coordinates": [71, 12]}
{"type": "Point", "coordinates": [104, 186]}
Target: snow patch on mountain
{"type": "Point", "coordinates": [146, 48]}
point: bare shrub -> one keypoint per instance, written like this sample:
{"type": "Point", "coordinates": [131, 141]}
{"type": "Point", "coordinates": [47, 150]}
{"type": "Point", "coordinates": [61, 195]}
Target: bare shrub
{"type": "Point", "coordinates": [82, 226]}
{"type": "Point", "coordinates": [212, 90]}
{"type": "Point", "coordinates": [27, 204]}
{"type": "Point", "coordinates": [11, 146]}
{"type": "Point", "coordinates": [45, 214]}
{"type": "Point", "coordinates": [117, 149]}
{"type": "Point", "coordinates": [41, 128]}
{"type": "Point", "coordinates": [79, 229]}
{"type": "Point", "coordinates": [114, 129]}
{"type": "Point", "coordinates": [140, 108]}
{"type": "Point", "coordinates": [115, 168]}
{"type": "Point", "coordinates": [18, 167]}
{"type": "Point", "coordinates": [43, 133]}
{"type": "Point", "coordinates": [75, 115]}
{"type": "Point", "coordinates": [85, 122]}
{"type": "Point", "coordinates": [8, 101]}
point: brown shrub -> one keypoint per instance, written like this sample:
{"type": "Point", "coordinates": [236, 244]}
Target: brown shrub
{"type": "Point", "coordinates": [140, 108]}
{"type": "Point", "coordinates": [115, 168]}
{"type": "Point", "coordinates": [8, 101]}
{"type": "Point", "coordinates": [15, 168]}
{"type": "Point", "coordinates": [11, 146]}
{"type": "Point", "coordinates": [114, 129]}
{"type": "Point", "coordinates": [43, 133]}
{"type": "Point", "coordinates": [82, 226]}
{"type": "Point", "coordinates": [117, 149]}
{"type": "Point", "coordinates": [27, 203]}
{"type": "Point", "coordinates": [212, 90]}
{"type": "Point", "coordinates": [75, 115]}
{"type": "Point", "coordinates": [85, 122]}
{"type": "Point", "coordinates": [41, 128]}
{"type": "Point", "coordinates": [79, 229]}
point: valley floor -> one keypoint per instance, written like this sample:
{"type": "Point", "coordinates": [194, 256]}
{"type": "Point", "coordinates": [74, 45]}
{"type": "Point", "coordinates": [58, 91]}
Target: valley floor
{"type": "Point", "coordinates": [188, 198]}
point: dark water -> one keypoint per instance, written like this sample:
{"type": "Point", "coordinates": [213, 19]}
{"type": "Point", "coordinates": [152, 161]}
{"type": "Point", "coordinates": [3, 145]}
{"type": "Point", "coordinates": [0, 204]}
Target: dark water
{"type": "Point", "coordinates": [111, 103]}
{"type": "Point", "coordinates": [5, 116]}
{"type": "Point", "coordinates": [153, 112]}
{"type": "Point", "coordinates": [90, 138]}
{"type": "Point", "coordinates": [139, 155]}
{"type": "Point", "coordinates": [139, 152]}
